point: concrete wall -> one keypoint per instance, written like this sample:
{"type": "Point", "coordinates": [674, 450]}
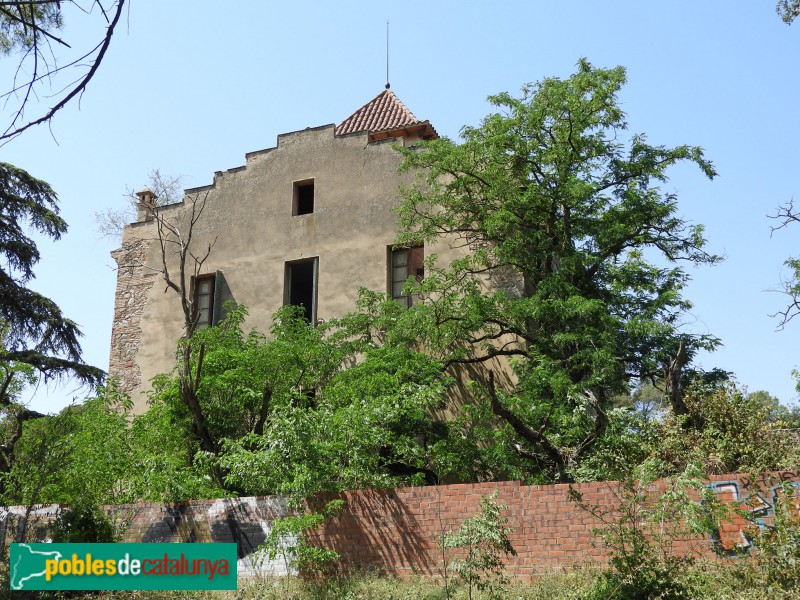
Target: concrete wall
{"type": "Point", "coordinates": [244, 521]}
{"type": "Point", "coordinates": [395, 530]}
{"type": "Point", "coordinates": [248, 223]}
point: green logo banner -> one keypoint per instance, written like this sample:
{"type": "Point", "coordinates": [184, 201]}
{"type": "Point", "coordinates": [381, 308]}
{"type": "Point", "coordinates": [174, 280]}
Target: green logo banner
{"type": "Point", "coordinates": [123, 567]}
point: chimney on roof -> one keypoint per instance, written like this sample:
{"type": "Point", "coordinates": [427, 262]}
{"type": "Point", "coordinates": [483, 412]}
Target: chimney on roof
{"type": "Point", "coordinates": [146, 205]}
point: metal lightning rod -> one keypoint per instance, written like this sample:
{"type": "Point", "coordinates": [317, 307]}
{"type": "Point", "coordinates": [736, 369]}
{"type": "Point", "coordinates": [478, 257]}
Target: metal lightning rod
{"type": "Point", "coordinates": [387, 54]}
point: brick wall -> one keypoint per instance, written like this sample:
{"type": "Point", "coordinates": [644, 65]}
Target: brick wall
{"type": "Point", "coordinates": [395, 530]}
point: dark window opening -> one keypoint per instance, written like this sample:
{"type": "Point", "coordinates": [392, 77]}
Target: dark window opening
{"type": "Point", "coordinates": [304, 398]}
{"type": "Point", "coordinates": [405, 263]}
{"type": "Point", "coordinates": [204, 301]}
{"type": "Point", "coordinates": [301, 287]}
{"type": "Point", "coordinates": [303, 201]}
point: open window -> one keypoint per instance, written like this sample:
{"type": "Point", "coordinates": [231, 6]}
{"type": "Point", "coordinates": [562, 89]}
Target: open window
{"type": "Point", "coordinates": [301, 286]}
{"type": "Point", "coordinates": [303, 197]}
{"type": "Point", "coordinates": [403, 264]}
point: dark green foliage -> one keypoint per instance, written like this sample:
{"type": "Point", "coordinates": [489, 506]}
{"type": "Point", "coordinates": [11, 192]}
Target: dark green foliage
{"type": "Point", "coordinates": [16, 19]}
{"type": "Point", "coordinates": [296, 413]}
{"type": "Point", "coordinates": [788, 10]}
{"type": "Point", "coordinates": [564, 218]}
{"type": "Point", "coordinates": [34, 335]}
{"type": "Point", "coordinates": [82, 523]}
{"type": "Point", "coordinates": [35, 331]}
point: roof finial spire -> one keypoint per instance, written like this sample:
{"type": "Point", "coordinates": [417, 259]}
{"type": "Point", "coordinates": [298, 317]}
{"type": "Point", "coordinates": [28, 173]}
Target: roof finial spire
{"type": "Point", "coordinates": [387, 55]}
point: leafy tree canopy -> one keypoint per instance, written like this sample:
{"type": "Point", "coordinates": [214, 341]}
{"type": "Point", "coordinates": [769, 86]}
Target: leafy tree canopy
{"type": "Point", "coordinates": [81, 456]}
{"type": "Point", "coordinates": [20, 21]}
{"type": "Point", "coordinates": [294, 413]}
{"type": "Point", "coordinates": [569, 225]}
{"type": "Point", "coordinates": [34, 335]}
{"type": "Point", "coordinates": [788, 10]}
{"type": "Point", "coordinates": [35, 331]}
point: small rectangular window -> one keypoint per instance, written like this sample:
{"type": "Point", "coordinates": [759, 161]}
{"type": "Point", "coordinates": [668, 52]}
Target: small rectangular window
{"type": "Point", "coordinates": [204, 300]}
{"type": "Point", "coordinates": [303, 197]}
{"type": "Point", "coordinates": [301, 287]}
{"type": "Point", "coordinates": [405, 263]}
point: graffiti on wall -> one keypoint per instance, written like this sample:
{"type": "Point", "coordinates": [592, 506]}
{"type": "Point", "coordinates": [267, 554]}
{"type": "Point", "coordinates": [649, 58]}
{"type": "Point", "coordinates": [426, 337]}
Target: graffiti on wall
{"type": "Point", "coordinates": [244, 521]}
{"type": "Point", "coordinates": [21, 523]}
{"type": "Point", "coordinates": [755, 499]}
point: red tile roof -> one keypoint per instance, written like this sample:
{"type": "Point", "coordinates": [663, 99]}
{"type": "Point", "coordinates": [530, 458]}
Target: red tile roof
{"type": "Point", "coordinates": [383, 113]}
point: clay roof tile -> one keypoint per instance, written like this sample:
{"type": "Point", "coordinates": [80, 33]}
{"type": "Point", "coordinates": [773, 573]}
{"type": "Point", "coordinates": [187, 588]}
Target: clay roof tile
{"type": "Point", "coordinates": [384, 112]}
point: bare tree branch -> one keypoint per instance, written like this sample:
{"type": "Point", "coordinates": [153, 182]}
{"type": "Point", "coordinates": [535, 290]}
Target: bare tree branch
{"type": "Point", "coordinates": [33, 49]}
{"type": "Point", "coordinates": [179, 266]}
{"type": "Point", "coordinates": [788, 215]}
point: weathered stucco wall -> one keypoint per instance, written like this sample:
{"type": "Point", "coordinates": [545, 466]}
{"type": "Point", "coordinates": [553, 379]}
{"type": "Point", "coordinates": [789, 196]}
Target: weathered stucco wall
{"type": "Point", "coordinates": [395, 530]}
{"type": "Point", "coordinates": [248, 221]}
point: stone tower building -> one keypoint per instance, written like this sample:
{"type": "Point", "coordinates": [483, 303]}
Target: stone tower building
{"type": "Point", "coordinates": [307, 222]}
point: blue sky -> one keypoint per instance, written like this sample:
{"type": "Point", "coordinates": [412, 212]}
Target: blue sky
{"type": "Point", "coordinates": [189, 87]}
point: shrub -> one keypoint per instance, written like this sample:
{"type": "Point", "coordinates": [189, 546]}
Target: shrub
{"type": "Point", "coordinates": [289, 540]}
{"type": "Point", "coordinates": [485, 539]}
{"type": "Point", "coordinates": [774, 567]}
{"type": "Point", "coordinates": [642, 532]}
{"type": "Point", "coordinates": [727, 430]}
{"type": "Point", "coordinates": [83, 523]}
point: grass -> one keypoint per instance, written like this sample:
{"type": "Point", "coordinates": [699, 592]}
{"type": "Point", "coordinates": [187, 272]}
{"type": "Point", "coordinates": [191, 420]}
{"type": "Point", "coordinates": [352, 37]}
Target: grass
{"type": "Point", "coordinates": [710, 581]}
{"type": "Point", "coordinates": [368, 586]}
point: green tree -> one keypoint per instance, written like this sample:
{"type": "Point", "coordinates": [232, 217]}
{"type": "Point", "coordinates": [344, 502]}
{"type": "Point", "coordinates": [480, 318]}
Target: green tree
{"type": "Point", "coordinates": [485, 541]}
{"type": "Point", "coordinates": [35, 337]}
{"type": "Point", "coordinates": [567, 224]}
{"type": "Point", "coordinates": [736, 432]}
{"type": "Point", "coordinates": [163, 468]}
{"type": "Point", "coordinates": [239, 380]}
{"type": "Point", "coordinates": [788, 10]}
{"type": "Point", "coordinates": [35, 333]}
{"type": "Point", "coordinates": [81, 456]}
{"type": "Point", "coordinates": [295, 412]}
